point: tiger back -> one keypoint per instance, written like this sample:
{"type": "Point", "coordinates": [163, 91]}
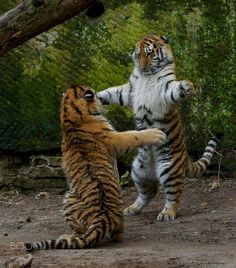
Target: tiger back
{"type": "Point", "coordinates": [93, 204]}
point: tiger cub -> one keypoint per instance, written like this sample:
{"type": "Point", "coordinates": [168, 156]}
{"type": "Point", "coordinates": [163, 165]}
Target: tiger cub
{"type": "Point", "coordinates": [154, 93]}
{"type": "Point", "coordinates": [90, 146]}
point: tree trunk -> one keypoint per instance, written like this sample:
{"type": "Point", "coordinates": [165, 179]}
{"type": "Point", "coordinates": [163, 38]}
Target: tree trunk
{"type": "Point", "coordinates": [33, 17]}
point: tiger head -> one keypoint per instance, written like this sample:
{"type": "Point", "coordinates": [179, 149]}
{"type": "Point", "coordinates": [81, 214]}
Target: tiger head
{"type": "Point", "coordinates": [152, 53]}
{"type": "Point", "coordinates": [78, 104]}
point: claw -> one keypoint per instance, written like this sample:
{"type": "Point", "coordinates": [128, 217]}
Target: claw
{"type": "Point", "coordinates": [167, 214]}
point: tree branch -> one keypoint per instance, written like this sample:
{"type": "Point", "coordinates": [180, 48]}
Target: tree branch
{"type": "Point", "coordinates": [33, 17]}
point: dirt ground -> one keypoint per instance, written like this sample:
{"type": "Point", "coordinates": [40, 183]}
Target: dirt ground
{"type": "Point", "coordinates": [204, 234]}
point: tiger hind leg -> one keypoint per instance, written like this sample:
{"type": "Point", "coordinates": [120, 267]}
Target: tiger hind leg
{"type": "Point", "coordinates": [172, 185]}
{"type": "Point", "coordinates": [116, 232]}
{"type": "Point", "coordinates": [144, 180]}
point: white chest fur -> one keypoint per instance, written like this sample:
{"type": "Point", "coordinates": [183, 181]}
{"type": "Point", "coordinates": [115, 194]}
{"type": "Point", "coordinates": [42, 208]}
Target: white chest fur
{"type": "Point", "coordinates": [149, 92]}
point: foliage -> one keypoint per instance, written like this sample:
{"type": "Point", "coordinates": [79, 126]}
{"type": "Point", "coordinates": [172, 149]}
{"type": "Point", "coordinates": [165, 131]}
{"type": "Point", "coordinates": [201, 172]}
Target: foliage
{"type": "Point", "coordinates": [202, 35]}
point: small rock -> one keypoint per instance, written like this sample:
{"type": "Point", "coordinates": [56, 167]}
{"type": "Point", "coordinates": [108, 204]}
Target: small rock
{"type": "Point", "coordinates": [5, 234]}
{"type": "Point", "coordinates": [42, 195]}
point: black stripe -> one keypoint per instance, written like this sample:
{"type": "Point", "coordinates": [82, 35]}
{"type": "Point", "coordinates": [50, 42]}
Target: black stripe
{"type": "Point", "coordinates": [149, 122]}
{"type": "Point", "coordinates": [215, 139]}
{"type": "Point", "coordinates": [165, 171]}
{"type": "Point", "coordinates": [135, 76]}
{"type": "Point", "coordinates": [76, 108]}
{"type": "Point", "coordinates": [208, 151]}
{"type": "Point", "coordinates": [135, 174]}
{"type": "Point", "coordinates": [143, 107]}
{"type": "Point", "coordinates": [172, 96]}
{"type": "Point", "coordinates": [58, 244]}
{"type": "Point", "coordinates": [178, 160]}
{"type": "Point", "coordinates": [172, 192]}
{"type": "Point", "coordinates": [170, 141]}
{"type": "Point", "coordinates": [74, 87]}
{"type": "Point", "coordinates": [121, 98]}
{"type": "Point", "coordinates": [74, 129]}
{"type": "Point", "coordinates": [167, 84]}
{"type": "Point", "coordinates": [75, 93]}
{"type": "Point", "coordinates": [204, 161]}
{"type": "Point", "coordinates": [172, 178]}
{"type": "Point", "coordinates": [200, 164]}
{"type": "Point", "coordinates": [46, 244]}
{"type": "Point", "coordinates": [178, 147]}
{"type": "Point", "coordinates": [170, 130]}
{"type": "Point", "coordinates": [140, 160]}
{"type": "Point", "coordinates": [165, 120]}
{"type": "Point", "coordinates": [53, 242]}
{"type": "Point", "coordinates": [213, 146]}
{"type": "Point", "coordinates": [165, 76]}
{"type": "Point", "coordinates": [160, 50]}
{"type": "Point", "coordinates": [178, 183]}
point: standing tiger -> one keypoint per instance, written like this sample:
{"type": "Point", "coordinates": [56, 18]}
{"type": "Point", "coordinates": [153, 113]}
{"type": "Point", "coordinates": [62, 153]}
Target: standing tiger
{"type": "Point", "coordinates": [155, 94]}
{"type": "Point", "coordinates": [93, 205]}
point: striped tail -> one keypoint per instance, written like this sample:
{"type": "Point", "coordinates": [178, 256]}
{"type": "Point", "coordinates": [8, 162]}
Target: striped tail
{"type": "Point", "coordinates": [95, 233]}
{"type": "Point", "coordinates": [196, 169]}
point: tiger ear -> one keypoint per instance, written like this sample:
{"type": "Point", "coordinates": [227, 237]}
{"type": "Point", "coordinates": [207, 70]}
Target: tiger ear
{"type": "Point", "coordinates": [165, 39]}
{"type": "Point", "coordinates": [89, 95]}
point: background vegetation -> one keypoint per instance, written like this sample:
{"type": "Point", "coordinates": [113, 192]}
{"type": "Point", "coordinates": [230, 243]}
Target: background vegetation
{"type": "Point", "coordinates": [203, 39]}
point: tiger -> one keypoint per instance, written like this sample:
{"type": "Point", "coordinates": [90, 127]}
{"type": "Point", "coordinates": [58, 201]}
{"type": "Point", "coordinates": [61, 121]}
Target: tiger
{"type": "Point", "coordinates": [93, 205]}
{"type": "Point", "coordinates": [155, 95]}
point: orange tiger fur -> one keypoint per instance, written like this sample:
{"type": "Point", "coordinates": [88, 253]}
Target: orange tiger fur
{"type": "Point", "coordinates": [93, 204]}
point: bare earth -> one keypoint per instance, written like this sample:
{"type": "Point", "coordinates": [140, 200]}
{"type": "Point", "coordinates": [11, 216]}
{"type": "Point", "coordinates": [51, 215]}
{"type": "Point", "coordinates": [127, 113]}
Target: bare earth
{"type": "Point", "coordinates": [204, 234]}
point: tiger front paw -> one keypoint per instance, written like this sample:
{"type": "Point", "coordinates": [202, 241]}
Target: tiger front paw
{"type": "Point", "coordinates": [132, 210]}
{"type": "Point", "coordinates": [186, 88]}
{"type": "Point", "coordinates": [102, 98]}
{"type": "Point", "coordinates": [154, 136]}
{"type": "Point", "coordinates": [167, 214]}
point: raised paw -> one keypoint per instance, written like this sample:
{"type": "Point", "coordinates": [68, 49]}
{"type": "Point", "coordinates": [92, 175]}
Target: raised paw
{"type": "Point", "coordinates": [154, 136]}
{"type": "Point", "coordinates": [131, 210]}
{"type": "Point", "coordinates": [167, 214]}
{"type": "Point", "coordinates": [102, 99]}
{"type": "Point", "coordinates": [186, 88]}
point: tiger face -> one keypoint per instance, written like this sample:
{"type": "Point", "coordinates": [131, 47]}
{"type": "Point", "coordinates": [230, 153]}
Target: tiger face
{"type": "Point", "coordinates": [152, 53]}
{"type": "Point", "coordinates": [78, 104]}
